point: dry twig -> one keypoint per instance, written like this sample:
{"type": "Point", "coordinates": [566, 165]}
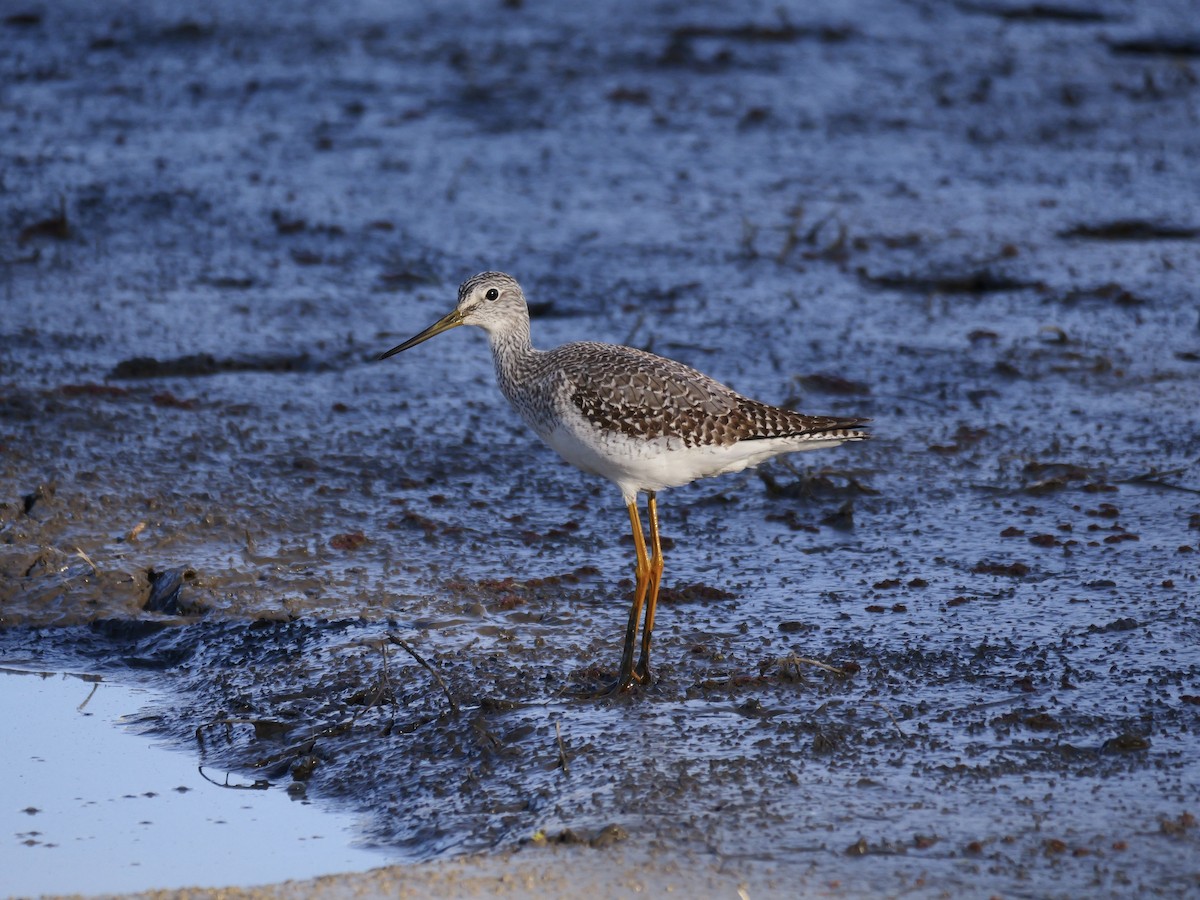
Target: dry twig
{"type": "Point", "coordinates": [403, 644]}
{"type": "Point", "coordinates": [562, 750]}
{"type": "Point", "coordinates": [87, 559]}
{"type": "Point", "coordinates": [797, 661]}
{"type": "Point", "coordinates": [888, 712]}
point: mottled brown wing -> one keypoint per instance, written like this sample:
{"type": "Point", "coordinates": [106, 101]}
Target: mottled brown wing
{"type": "Point", "coordinates": [774, 421]}
{"type": "Point", "coordinates": [647, 396]}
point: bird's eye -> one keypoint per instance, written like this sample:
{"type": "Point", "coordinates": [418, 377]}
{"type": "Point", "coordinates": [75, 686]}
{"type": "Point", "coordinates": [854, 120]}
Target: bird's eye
{"type": "Point", "coordinates": [492, 294]}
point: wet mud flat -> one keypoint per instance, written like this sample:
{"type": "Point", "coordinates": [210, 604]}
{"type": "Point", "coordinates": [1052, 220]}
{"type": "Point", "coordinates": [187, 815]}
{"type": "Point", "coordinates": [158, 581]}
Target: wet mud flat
{"type": "Point", "coordinates": [961, 658]}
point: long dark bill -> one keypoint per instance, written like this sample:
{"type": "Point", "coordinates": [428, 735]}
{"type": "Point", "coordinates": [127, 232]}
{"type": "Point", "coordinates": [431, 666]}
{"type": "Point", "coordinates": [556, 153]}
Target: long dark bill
{"type": "Point", "coordinates": [445, 323]}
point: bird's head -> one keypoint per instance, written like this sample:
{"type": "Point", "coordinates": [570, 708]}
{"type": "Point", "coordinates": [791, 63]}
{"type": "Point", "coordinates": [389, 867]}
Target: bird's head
{"type": "Point", "coordinates": [492, 300]}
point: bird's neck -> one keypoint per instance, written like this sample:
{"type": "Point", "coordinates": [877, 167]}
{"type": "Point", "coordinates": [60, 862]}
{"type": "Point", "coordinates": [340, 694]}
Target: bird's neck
{"type": "Point", "coordinates": [513, 355]}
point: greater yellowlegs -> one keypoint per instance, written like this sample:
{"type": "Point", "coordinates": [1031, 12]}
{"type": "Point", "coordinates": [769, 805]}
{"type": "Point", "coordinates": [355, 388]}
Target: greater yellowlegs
{"type": "Point", "coordinates": [642, 421]}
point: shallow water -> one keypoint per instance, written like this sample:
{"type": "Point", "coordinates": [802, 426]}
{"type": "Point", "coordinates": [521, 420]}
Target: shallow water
{"type": "Point", "coordinates": [975, 224]}
{"type": "Point", "coordinates": [92, 806]}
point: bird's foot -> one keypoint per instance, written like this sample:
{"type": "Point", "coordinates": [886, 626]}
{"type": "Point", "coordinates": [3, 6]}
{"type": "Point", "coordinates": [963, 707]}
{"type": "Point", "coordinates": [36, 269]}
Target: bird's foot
{"type": "Point", "coordinates": [623, 684]}
{"type": "Point", "coordinates": [635, 680]}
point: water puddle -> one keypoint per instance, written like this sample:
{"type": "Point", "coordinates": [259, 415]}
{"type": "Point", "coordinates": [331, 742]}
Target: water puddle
{"type": "Point", "coordinates": [91, 807]}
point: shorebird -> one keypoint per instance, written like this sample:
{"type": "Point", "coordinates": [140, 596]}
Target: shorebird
{"type": "Point", "coordinates": [642, 421]}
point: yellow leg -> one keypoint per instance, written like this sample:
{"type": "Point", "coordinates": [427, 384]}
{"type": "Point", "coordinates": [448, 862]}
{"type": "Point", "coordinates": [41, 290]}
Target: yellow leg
{"type": "Point", "coordinates": [625, 678]}
{"type": "Point", "coordinates": [642, 672]}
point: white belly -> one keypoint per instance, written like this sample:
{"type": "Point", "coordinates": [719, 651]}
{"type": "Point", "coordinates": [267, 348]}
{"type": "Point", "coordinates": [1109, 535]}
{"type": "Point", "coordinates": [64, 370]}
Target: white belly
{"type": "Point", "coordinates": [652, 465]}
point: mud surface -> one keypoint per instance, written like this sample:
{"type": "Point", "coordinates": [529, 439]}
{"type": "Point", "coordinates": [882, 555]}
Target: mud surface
{"type": "Point", "coordinates": [976, 223]}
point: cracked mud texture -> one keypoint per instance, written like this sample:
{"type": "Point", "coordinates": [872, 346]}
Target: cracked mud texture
{"type": "Point", "coordinates": [975, 223]}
